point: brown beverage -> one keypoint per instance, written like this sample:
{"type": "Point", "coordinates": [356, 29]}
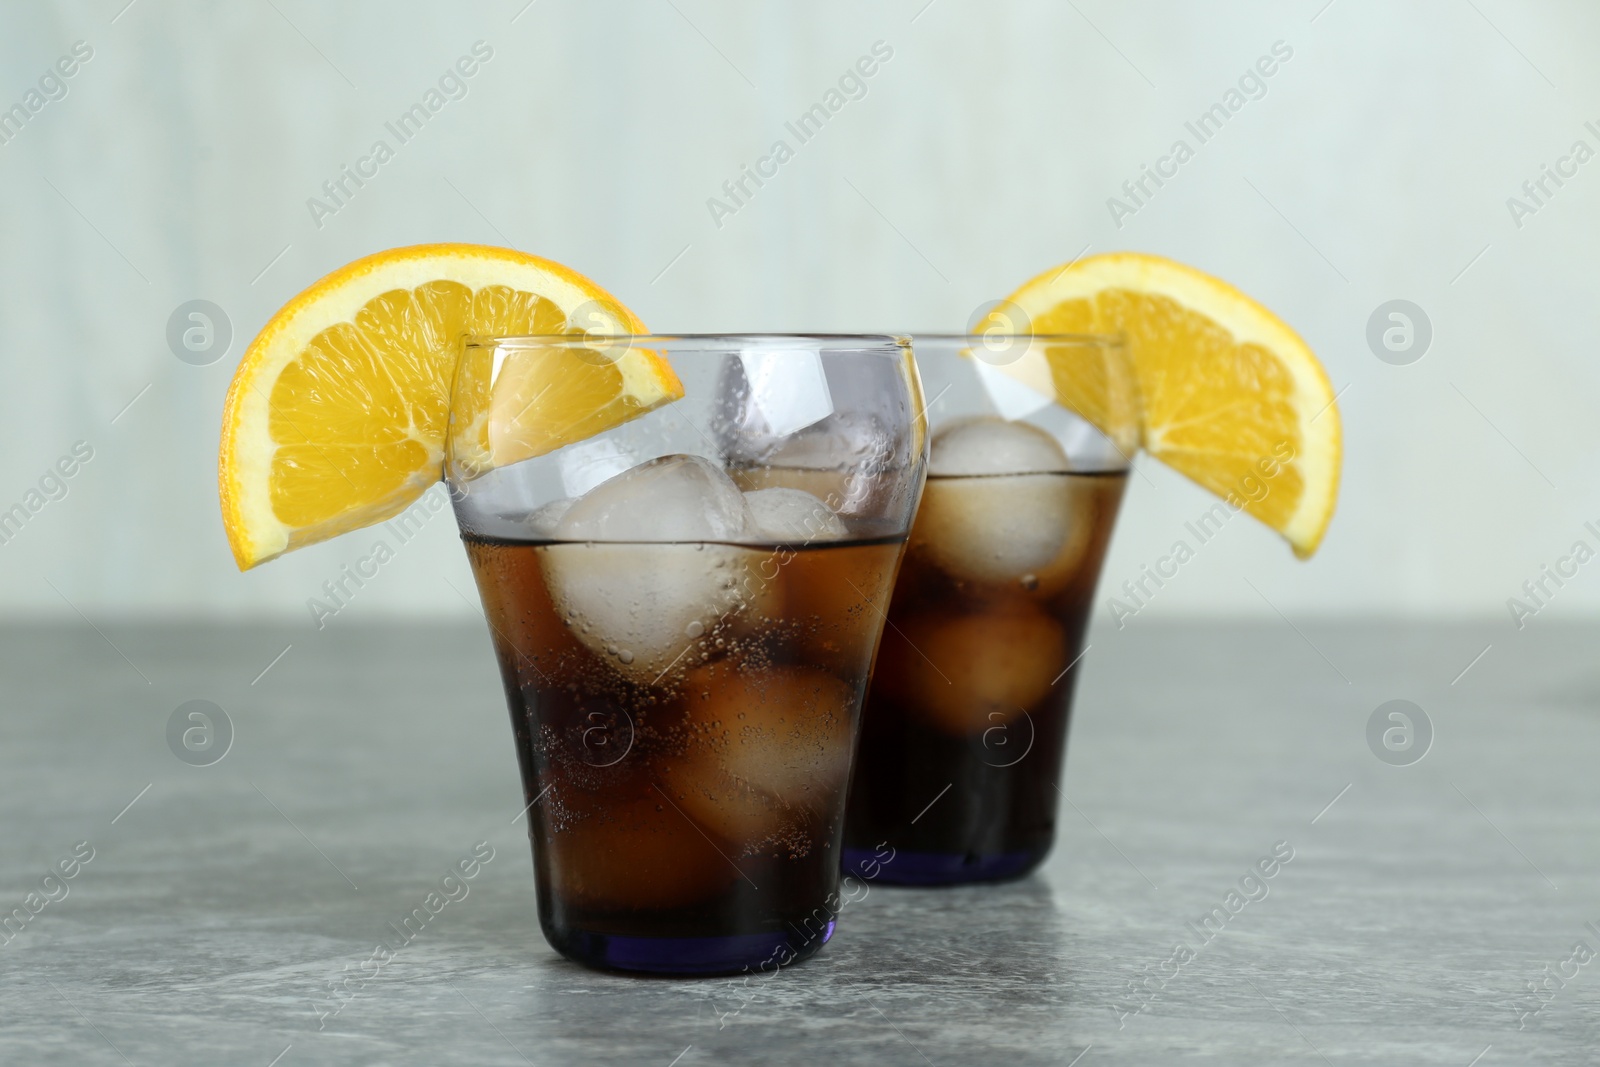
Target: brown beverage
{"type": "Point", "coordinates": [686, 772]}
{"type": "Point", "coordinates": [965, 726]}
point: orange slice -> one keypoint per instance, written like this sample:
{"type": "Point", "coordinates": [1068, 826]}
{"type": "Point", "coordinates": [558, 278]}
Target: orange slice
{"type": "Point", "coordinates": [1227, 394]}
{"type": "Point", "coordinates": [337, 414]}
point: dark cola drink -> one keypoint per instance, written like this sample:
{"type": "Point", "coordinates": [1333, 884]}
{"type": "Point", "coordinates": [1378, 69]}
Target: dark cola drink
{"type": "Point", "coordinates": [964, 732]}
{"type": "Point", "coordinates": [685, 715]}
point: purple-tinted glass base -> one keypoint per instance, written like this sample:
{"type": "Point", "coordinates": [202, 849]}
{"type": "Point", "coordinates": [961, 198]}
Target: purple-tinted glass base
{"type": "Point", "coordinates": [686, 956]}
{"type": "Point", "coordinates": [939, 868]}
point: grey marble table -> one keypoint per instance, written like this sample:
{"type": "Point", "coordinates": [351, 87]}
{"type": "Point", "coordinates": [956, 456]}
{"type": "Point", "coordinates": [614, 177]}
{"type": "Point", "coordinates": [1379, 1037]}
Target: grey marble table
{"type": "Point", "coordinates": [221, 901]}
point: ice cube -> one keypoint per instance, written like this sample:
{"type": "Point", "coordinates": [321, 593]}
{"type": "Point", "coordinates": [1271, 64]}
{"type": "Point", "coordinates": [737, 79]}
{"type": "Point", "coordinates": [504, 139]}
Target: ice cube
{"type": "Point", "coordinates": [989, 445]}
{"type": "Point", "coordinates": [633, 856]}
{"type": "Point", "coordinates": [1004, 528]}
{"type": "Point", "coordinates": [970, 673]}
{"type": "Point", "coordinates": [770, 752]}
{"type": "Point", "coordinates": [853, 456]}
{"type": "Point", "coordinates": [996, 508]}
{"type": "Point", "coordinates": [588, 463]}
{"type": "Point", "coordinates": [673, 498]}
{"type": "Point", "coordinates": [792, 516]}
{"type": "Point", "coordinates": [643, 604]}
{"type": "Point", "coordinates": [542, 522]}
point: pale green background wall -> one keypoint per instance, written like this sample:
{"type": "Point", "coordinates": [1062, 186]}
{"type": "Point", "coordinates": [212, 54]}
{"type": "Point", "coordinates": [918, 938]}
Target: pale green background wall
{"type": "Point", "coordinates": [1376, 166]}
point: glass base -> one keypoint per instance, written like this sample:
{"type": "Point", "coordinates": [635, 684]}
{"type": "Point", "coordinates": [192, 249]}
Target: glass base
{"type": "Point", "coordinates": [940, 868]}
{"type": "Point", "coordinates": [685, 956]}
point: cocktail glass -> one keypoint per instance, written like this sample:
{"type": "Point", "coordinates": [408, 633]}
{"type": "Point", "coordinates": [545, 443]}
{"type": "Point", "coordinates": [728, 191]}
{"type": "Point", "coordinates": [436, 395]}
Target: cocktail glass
{"type": "Point", "coordinates": [964, 733]}
{"type": "Point", "coordinates": [685, 609]}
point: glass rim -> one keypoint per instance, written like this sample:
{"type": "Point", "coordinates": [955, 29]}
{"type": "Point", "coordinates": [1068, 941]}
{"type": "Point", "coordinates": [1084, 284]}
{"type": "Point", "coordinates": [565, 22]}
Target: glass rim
{"type": "Point", "coordinates": [1087, 340]}
{"type": "Point", "coordinates": [710, 341]}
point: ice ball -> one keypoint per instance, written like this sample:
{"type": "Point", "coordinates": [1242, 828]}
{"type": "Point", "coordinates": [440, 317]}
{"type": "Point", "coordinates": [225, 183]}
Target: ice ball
{"type": "Point", "coordinates": [792, 516]}
{"type": "Point", "coordinates": [998, 506]}
{"type": "Point", "coordinates": [672, 498]}
{"type": "Point", "coordinates": [640, 575]}
{"type": "Point", "coordinates": [769, 751]}
{"type": "Point", "coordinates": [968, 673]}
{"type": "Point", "coordinates": [987, 444]}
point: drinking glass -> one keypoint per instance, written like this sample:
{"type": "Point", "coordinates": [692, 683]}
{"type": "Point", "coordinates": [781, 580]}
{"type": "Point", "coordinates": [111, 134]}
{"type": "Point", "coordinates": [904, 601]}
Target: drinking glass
{"type": "Point", "coordinates": [685, 608]}
{"type": "Point", "coordinates": [965, 727]}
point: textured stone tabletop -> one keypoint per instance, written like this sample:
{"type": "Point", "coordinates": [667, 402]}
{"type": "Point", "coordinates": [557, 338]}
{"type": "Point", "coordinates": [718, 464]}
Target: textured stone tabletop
{"type": "Point", "coordinates": [210, 907]}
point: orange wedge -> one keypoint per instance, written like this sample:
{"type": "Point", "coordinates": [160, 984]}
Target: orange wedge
{"type": "Point", "coordinates": [337, 414]}
{"type": "Point", "coordinates": [1227, 394]}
